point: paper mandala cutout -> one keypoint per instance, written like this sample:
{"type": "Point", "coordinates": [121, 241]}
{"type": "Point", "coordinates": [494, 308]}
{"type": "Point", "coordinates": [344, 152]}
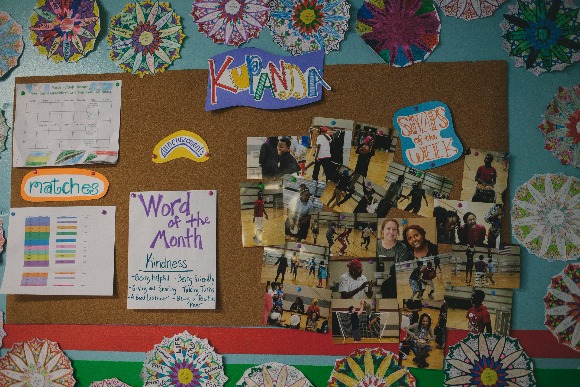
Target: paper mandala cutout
{"type": "Point", "coordinates": [145, 38]}
{"type": "Point", "coordinates": [488, 360]}
{"type": "Point", "coordinates": [183, 360]}
{"type": "Point", "coordinates": [563, 306]}
{"type": "Point", "coordinates": [273, 375]}
{"type": "Point", "coordinates": [4, 128]}
{"type": "Point", "coordinates": [65, 30]}
{"type": "Point", "coordinates": [2, 331]}
{"type": "Point", "coordinates": [370, 367]}
{"type": "Point", "coordinates": [36, 363]}
{"type": "Point", "coordinates": [11, 44]}
{"type": "Point", "coordinates": [402, 32]}
{"type": "Point", "coordinates": [561, 125]}
{"type": "Point", "coordinates": [542, 35]}
{"type": "Point", "coordinates": [302, 26]}
{"type": "Point", "coordinates": [545, 216]}
{"type": "Point", "coordinates": [469, 9]}
{"type": "Point", "coordinates": [109, 383]}
{"type": "Point", "coordinates": [230, 22]}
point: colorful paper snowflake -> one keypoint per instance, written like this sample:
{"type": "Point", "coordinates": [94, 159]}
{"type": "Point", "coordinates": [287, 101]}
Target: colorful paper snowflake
{"type": "Point", "coordinates": [545, 216]}
{"type": "Point", "coordinates": [563, 306]}
{"type": "Point", "coordinates": [561, 125]}
{"type": "Point", "coordinates": [230, 22]}
{"type": "Point", "coordinates": [273, 375]}
{"type": "Point", "coordinates": [402, 32]}
{"type": "Point", "coordinates": [36, 363]}
{"type": "Point", "coordinates": [469, 9]}
{"type": "Point", "coordinates": [488, 360]}
{"type": "Point", "coordinates": [65, 30]}
{"type": "Point", "coordinates": [4, 128]}
{"type": "Point", "coordinates": [183, 360]}
{"type": "Point", "coordinates": [11, 44]}
{"type": "Point", "coordinates": [543, 35]}
{"type": "Point", "coordinates": [370, 367]}
{"type": "Point", "coordinates": [145, 38]}
{"type": "Point", "coordinates": [109, 383]}
{"type": "Point", "coordinates": [2, 331]}
{"type": "Point", "coordinates": [302, 26]}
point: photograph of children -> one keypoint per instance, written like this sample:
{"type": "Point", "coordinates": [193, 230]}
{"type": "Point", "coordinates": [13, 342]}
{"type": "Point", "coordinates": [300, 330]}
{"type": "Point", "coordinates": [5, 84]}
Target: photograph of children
{"type": "Point", "coordinates": [476, 224]}
{"type": "Point", "coordinates": [412, 190]}
{"type": "Point", "coordinates": [352, 235]}
{"type": "Point", "coordinates": [485, 176]}
{"type": "Point", "coordinates": [352, 193]}
{"type": "Point", "coordinates": [299, 264]}
{"type": "Point", "coordinates": [372, 151]}
{"type": "Point", "coordinates": [423, 334]}
{"type": "Point", "coordinates": [328, 147]}
{"type": "Point", "coordinates": [358, 321]}
{"type": "Point", "coordinates": [479, 310]}
{"type": "Point", "coordinates": [276, 156]}
{"type": "Point", "coordinates": [483, 266]}
{"type": "Point", "coordinates": [262, 210]}
{"type": "Point", "coordinates": [301, 200]}
{"type": "Point", "coordinates": [294, 307]}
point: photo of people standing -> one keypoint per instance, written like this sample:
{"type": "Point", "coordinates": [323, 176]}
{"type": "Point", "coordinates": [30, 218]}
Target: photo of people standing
{"type": "Point", "coordinates": [275, 156]}
{"type": "Point", "coordinates": [484, 266]}
{"type": "Point", "coordinates": [372, 150]}
{"type": "Point", "coordinates": [296, 279]}
{"type": "Point", "coordinates": [479, 310]}
{"type": "Point", "coordinates": [476, 224]}
{"type": "Point", "coordinates": [301, 201]}
{"type": "Point", "coordinates": [412, 190]}
{"type": "Point", "coordinates": [262, 210]}
{"type": "Point", "coordinates": [485, 176]}
{"type": "Point", "coordinates": [328, 147]}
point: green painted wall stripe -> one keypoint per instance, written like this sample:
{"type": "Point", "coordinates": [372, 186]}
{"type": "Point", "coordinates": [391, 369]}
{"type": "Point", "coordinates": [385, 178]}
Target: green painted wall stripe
{"type": "Point", "coordinates": [87, 372]}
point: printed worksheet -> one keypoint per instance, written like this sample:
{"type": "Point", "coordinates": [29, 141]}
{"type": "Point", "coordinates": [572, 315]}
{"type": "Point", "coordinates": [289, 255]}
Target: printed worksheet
{"type": "Point", "coordinates": [67, 123]}
{"type": "Point", "coordinates": [172, 250]}
{"type": "Point", "coordinates": [60, 251]}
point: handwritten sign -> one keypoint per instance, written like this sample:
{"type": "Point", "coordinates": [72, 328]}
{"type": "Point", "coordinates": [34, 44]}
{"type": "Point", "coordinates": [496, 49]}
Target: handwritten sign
{"type": "Point", "coordinates": [172, 250]}
{"type": "Point", "coordinates": [63, 184]}
{"type": "Point", "coordinates": [181, 144]}
{"type": "Point", "coordinates": [427, 135]}
{"type": "Point", "coordinates": [253, 77]}
{"type": "Point", "coordinates": [67, 123]}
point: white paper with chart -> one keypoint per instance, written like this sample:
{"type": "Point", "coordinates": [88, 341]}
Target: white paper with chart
{"type": "Point", "coordinates": [172, 250]}
{"type": "Point", "coordinates": [60, 251]}
{"type": "Point", "coordinates": [67, 123]}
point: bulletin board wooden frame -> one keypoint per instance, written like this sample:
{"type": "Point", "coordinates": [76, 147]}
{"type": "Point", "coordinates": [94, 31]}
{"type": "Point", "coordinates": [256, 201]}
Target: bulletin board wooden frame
{"type": "Point", "coordinates": [155, 107]}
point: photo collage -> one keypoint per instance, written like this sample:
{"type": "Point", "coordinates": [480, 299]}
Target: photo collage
{"type": "Point", "coordinates": [364, 248]}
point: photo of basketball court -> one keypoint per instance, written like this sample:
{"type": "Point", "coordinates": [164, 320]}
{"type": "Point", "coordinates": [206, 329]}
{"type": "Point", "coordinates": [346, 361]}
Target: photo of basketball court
{"type": "Point", "coordinates": [378, 322]}
{"type": "Point", "coordinates": [348, 234]}
{"type": "Point", "coordinates": [498, 303]}
{"type": "Point", "coordinates": [502, 267]}
{"type": "Point", "coordinates": [262, 212]}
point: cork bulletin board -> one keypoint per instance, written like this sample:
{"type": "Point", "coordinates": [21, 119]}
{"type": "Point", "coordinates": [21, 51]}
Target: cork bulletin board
{"type": "Point", "coordinates": [155, 107]}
